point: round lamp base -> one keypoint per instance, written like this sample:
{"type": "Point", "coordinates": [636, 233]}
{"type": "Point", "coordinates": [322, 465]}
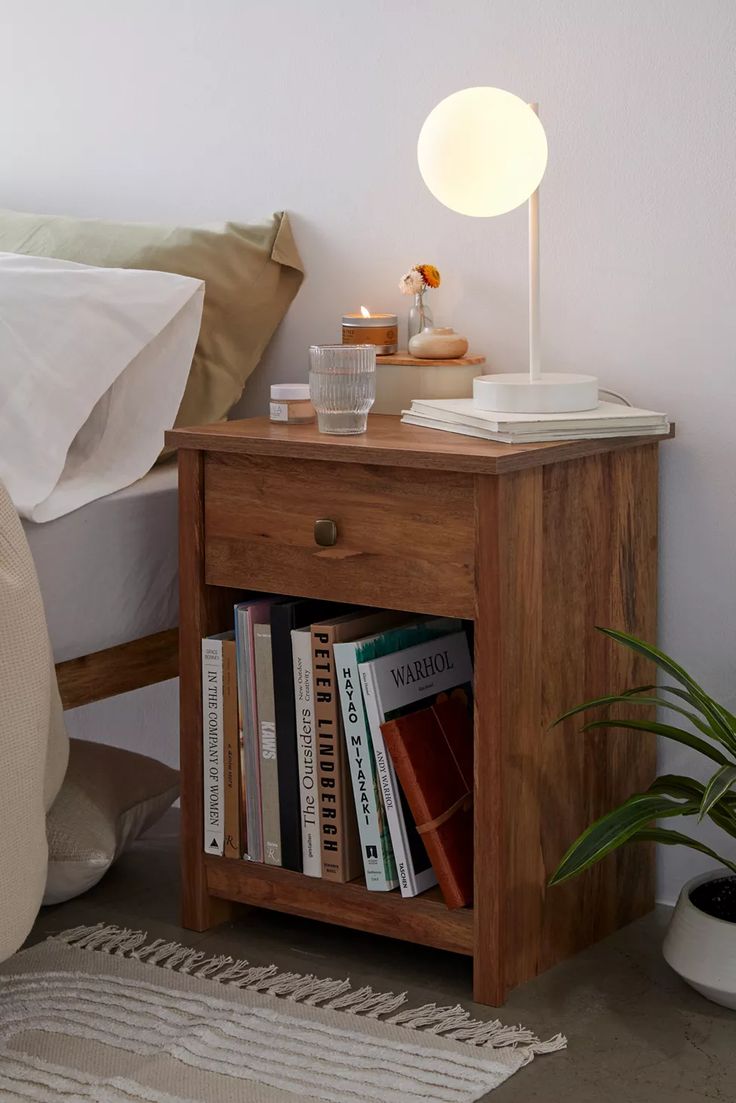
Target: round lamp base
{"type": "Point", "coordinates": [552, 393]}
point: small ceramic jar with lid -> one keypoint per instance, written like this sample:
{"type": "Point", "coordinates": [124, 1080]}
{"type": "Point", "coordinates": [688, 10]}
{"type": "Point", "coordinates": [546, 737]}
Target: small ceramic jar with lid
{"type": "Point", "coordinates": [290, 403]}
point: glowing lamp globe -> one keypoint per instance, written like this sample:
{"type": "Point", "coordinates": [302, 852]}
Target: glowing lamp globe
{"type": "Point", "coordinates": [483, 152]}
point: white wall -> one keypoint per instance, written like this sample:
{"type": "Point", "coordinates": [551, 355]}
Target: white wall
{"type": "Point", "coordinates": [179, 109]}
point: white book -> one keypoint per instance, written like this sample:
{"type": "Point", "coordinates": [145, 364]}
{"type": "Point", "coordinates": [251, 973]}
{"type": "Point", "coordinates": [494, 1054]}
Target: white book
{"type": "Point", "coordinates": [212, 746]}
{"type": "Point", "coordinates": [380, 868]}
{"type": "Point", "coordinates": [397, 683]}
{"type": "Point", "coordinates": [301, 650]}
{"type": "Point", "coordinates": [611, 415]}
{"type": "Point", "coordinates": [550, 434]}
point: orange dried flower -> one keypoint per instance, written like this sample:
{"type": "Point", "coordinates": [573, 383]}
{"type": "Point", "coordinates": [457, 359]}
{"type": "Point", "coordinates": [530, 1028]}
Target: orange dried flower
{"type": "Point", "coordinates": [429, 274]}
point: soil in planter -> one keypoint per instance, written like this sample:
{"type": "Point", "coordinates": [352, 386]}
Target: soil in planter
{"type": "Point", "coordinates": [717, 898]}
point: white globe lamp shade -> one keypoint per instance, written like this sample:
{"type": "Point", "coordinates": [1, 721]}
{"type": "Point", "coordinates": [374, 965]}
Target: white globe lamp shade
{"type": "Point", "coordinates": [482, 151]}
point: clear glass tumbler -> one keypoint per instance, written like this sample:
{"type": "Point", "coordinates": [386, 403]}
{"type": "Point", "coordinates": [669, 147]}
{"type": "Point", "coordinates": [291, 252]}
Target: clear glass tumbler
{"type": "Point", "coordinates": [342, 386]}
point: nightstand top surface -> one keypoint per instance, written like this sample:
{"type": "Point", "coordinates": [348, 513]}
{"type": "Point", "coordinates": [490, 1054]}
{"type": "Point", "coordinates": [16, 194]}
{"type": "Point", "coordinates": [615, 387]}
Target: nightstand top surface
{"type": "Point", "coordinates": [388, 442]}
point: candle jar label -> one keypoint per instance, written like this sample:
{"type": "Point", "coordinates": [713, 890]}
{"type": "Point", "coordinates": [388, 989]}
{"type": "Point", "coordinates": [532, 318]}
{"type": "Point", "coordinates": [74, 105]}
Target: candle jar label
{"type": "Point", "coordinates": [375, 335]}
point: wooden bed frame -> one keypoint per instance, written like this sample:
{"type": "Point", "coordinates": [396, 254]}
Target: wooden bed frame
{"type": "Point", "coordinates": [128, 666]}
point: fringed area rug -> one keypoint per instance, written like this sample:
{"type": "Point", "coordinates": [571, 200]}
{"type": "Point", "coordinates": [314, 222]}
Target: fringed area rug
{"type": "Point", "coordinates": [99, 1013]}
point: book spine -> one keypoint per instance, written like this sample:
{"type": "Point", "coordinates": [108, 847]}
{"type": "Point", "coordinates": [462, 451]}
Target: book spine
{"type": "Point", "coordinates": [378, 876]}
{"type": "Point", "coordinates": [231, 751]}
{"type": "Point", "coordinates": [339, 843]}
{"type": "Point", "coordinates": [301, 643]}
{"type": "Point", "coordinates": [326, 729]}
{"type": "Point", "coordinates": [388, 785]}
{"type": "Point", "coordinates": [249, 760]}
{"type": "Point", "coordinates": [212, 734]}
{"type": "Point", "coordinates": [267, 740]}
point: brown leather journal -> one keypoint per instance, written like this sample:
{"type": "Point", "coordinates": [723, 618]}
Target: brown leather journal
{"type": "Point", "coordinates": [432, 753]}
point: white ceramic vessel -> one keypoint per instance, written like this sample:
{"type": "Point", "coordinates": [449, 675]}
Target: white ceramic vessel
{"type": "Point", "coordinates": [702, 949]}
{"type": "Point", "coordinates": [438, 343]}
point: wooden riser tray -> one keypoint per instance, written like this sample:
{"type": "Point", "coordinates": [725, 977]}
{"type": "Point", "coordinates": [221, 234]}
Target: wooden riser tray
{"type": "Point", "coordinates": [424, 919]}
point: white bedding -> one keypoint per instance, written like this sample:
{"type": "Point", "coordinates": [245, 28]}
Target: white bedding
{"type": "Point", "coordinates": [108, 571]}
{"type": "Point", "coordinates": [93, 366]}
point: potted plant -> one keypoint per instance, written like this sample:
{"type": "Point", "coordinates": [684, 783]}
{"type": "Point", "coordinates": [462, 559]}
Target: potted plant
{"type": "Point", "coordinates": [701, 942]}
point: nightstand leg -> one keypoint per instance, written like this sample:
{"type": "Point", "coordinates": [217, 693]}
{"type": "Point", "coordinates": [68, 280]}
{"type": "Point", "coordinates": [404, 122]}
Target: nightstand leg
{"type": "Point", "coordinates": [202, 610]}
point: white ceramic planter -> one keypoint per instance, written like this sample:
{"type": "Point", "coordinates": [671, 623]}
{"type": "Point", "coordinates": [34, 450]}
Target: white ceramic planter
{"type": "Point", "coordinates": [702, 949]}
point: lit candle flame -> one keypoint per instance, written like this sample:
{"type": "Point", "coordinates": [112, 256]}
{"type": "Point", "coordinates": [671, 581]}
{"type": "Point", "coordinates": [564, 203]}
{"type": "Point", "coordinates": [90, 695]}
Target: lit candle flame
{"type": "Point", "coordinates": [365, 312]}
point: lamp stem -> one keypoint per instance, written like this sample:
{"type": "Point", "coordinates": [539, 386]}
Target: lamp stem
{"type": "Point", "coordinates": [535, 369]}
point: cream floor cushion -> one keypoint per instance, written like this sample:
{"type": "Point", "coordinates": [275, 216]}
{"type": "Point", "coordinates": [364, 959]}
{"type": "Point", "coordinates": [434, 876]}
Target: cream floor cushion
{"type": "Point", "coordinates": [34, 748]}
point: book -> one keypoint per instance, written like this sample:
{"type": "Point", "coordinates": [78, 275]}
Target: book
{"type": "Point", "coordinates": [378, 856]}
{"type": "Point", "coordinates": [608, 419]}
{"type": "Point", "coordinates": [212, 746]}
{"type": "Point", "coordinates": [432, 753]}
{"type": "Point", "coordinates": [247, 614]}
{"type": "Point", "coordinates": [393, 685]}
{"type": "Point", "coordinates": [266, 715]}
{"type": "Point", "coordinates": [285, 617]}
{"type": "Point", "coordinates": [301, 642]}
{"type": "Point", "coordinates": [338, 826]}
{"type": "Point", "coordinates": [408, 418]}
{"type": "Point", "coordinates": [231, 748]}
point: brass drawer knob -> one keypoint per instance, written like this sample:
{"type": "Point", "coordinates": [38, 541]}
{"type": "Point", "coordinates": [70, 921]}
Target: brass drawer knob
{"type": "Point", "coordinates": [325, 533]}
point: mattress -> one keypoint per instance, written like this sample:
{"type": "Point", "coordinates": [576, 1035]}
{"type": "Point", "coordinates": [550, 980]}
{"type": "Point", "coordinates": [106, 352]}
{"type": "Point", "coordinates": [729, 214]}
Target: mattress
{"type": "Point", "coordinates": [108, 571]}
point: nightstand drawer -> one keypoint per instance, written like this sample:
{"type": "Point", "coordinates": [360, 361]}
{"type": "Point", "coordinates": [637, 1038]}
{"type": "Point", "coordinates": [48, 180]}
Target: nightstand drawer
{"type": "Point", "coordinates": [402, 538]}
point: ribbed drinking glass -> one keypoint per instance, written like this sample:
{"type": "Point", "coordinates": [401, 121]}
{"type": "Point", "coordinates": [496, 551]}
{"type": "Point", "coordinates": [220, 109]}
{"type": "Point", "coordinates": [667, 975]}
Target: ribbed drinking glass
{"type": "Point", "coordinates": [342, 386]}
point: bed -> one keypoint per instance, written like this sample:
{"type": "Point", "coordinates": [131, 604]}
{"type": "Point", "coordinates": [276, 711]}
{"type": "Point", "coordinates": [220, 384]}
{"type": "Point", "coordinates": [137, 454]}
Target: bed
{"type": "Point", "coordinates": [108, 575]}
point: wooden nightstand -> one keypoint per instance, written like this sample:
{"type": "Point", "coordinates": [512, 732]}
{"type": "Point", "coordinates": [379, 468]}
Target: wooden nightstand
{"type": "Point", "coordinates": [537, 544]}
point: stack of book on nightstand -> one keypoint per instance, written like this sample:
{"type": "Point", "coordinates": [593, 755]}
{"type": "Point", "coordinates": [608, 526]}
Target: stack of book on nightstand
{"type": "Point", "coordinates": [609, 419]}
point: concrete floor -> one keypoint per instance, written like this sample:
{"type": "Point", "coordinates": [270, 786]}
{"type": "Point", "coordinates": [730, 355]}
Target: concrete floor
{"type": "Point", "coordinates": [636, 1033]}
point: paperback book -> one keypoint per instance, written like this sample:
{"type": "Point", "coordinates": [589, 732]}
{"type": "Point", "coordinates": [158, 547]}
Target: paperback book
{"type": "Point", "coordinates": [247, 615]}
{"type": "Point", "coordinates": [212, 746]}
{"type": "Point", "coordinates": [392, 685]}
{"type": "Point", "coordinates": [339, 840]}
{"type": "Point", "coordinates": [286, 616]}
{"type": "Point", "coordinates": [266, 714]}
{"type": "Point", "coordinates": [301, 643]}
{"type": "Point", "coordinates": [608, 419]}
{"type": "Point", "coordinates": [231, 749]}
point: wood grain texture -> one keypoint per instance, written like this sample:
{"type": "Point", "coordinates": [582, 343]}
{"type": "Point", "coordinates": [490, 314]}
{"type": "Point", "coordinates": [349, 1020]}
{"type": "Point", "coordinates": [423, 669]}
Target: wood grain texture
{"type": "Point", "coordinates": [559, 550]}
{"type": "Point", "coordinates": [202, 610]}
{"type": "Point", "coordinates": [508, 685]}
{"type": "Point", "coordinates": [119, 669]}
{"type": "Point", "coordinates": [424, 919]}
{"type": "Point", "coordinates": [388, 443]}
{"type": "Point", "coordinates": [403, 358]}
{"type": "Point", "coordinates": [403, 541]}
{"type": "Point", "coordinates": [538, 555]}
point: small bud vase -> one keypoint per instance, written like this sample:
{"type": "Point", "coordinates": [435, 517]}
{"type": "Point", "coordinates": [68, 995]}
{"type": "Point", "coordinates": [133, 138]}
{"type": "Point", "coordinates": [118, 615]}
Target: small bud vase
{"type": "Point", "coordinates": [420, 316]}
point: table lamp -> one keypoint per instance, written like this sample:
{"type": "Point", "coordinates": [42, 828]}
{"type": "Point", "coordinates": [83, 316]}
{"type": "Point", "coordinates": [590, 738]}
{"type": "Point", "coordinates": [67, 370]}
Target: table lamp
{"type": "Point", "coordinates": [483, 152]}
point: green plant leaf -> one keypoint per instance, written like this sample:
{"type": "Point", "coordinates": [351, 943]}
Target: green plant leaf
{"type": "Point", "coordinates": [717, 788]}
{"type": "Point", "coordinates": [679, 735]}
{"type": "Point", "coordinates": [617, 827]}
{"type": "Point", "coordinates": [676, 838]}
{"type": "Point", "coordinates": [678, 786]}
{"type": "Point", "coordinates": [723, 814]}
{"type": "Point", "coordinates": [706, 704]}
{"type": "Point", "coordinates": [702, 725]}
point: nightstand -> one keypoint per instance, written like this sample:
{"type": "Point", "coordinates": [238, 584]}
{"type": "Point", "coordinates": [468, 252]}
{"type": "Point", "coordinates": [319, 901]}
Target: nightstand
{"type": "Point", "coordinates": [536, 544]}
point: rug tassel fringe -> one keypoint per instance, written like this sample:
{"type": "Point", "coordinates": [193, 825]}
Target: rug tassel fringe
{"type": "Point", "coordinates": [332, 995]}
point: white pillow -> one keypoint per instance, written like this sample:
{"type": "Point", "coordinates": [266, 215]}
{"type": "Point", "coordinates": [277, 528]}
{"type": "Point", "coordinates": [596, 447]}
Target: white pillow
{"type": "Point", "coordinates": [93, 366]}
{"type": "Point", "coordinates": [109, 797]}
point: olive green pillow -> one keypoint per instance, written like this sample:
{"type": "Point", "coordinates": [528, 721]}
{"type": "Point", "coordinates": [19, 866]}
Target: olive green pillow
{"type": "Point", "coordinates": [251, 275]}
